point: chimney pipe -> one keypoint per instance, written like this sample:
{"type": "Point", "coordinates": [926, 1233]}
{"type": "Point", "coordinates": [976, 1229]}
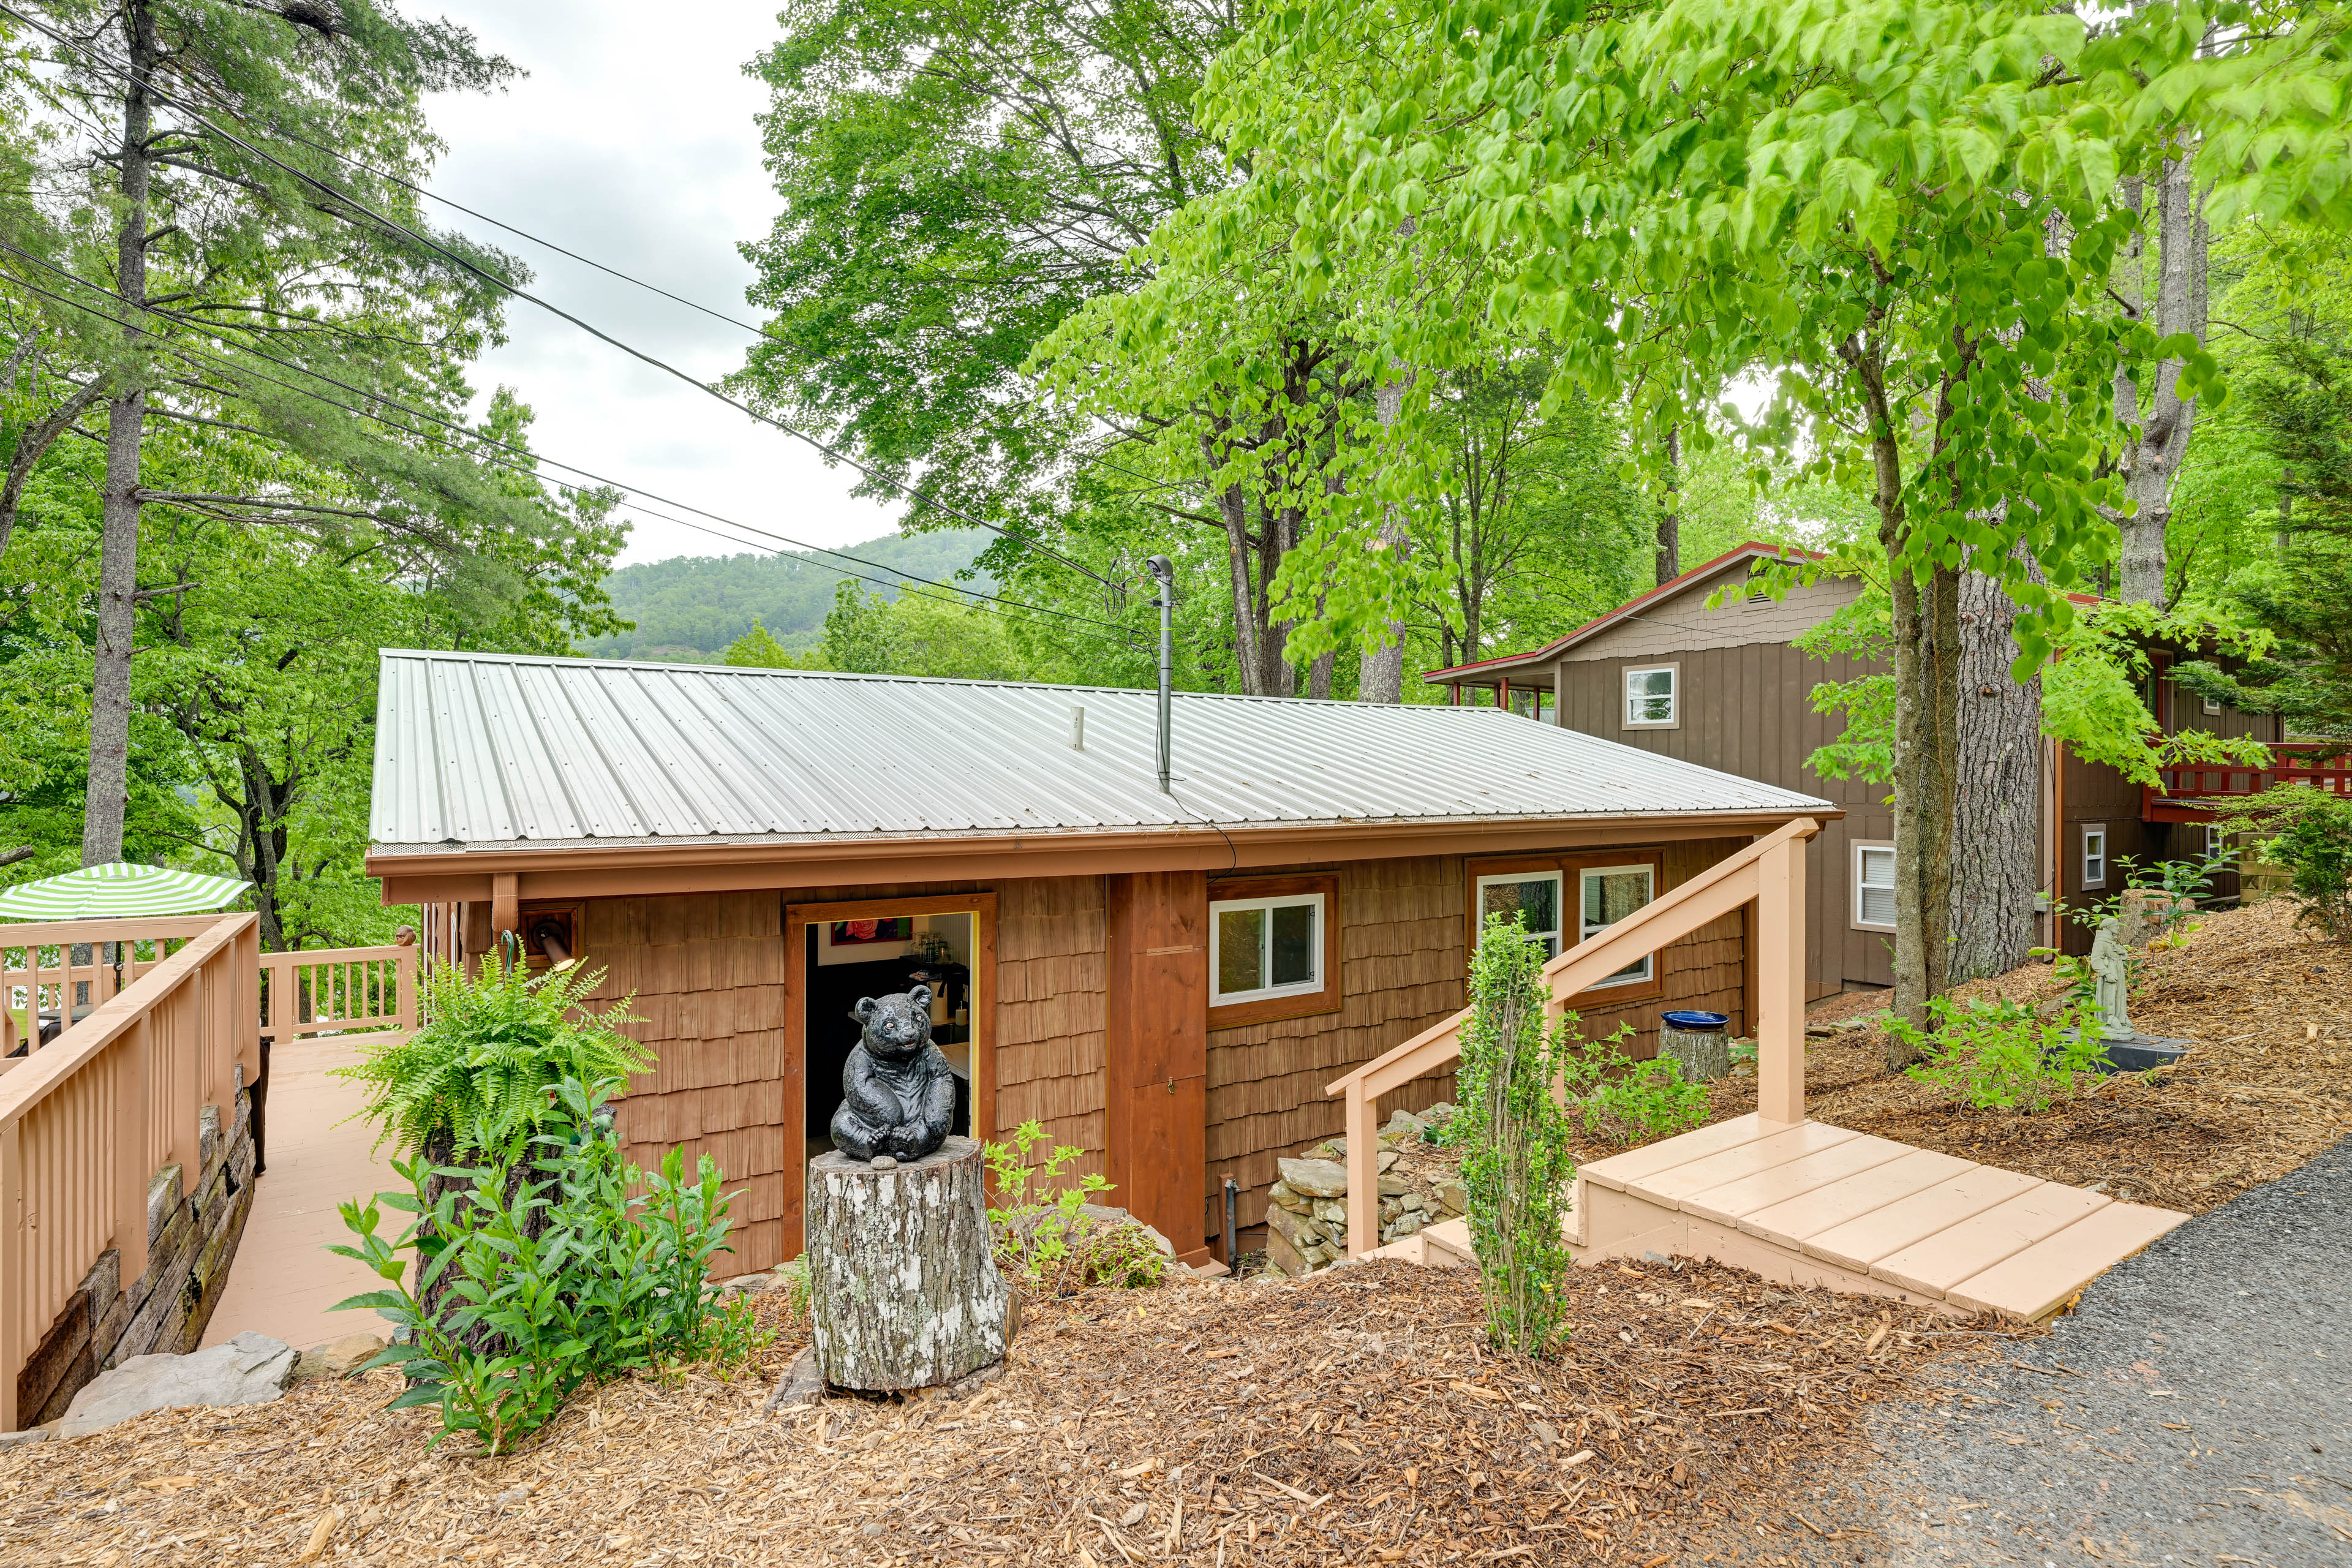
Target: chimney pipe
{"type": "Point", "coordinates": [1166, 575]}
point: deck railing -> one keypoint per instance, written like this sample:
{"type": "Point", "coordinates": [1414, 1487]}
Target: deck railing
{"type": "Point", "coordinates": [87, 1121]}
{"type": "Point", "coordinates": [2185, 794]}
{"type": "Point", "coordinates": [338, 990]}
{"type": "Point", "coordinates": [1770, 873]}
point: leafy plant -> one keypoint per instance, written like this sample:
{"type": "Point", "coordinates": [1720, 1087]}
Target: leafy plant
{"type": "Point", "coordinates": [2308, 832]}
{"type": "Point", "coordinates": [1513, 1130]}
{"type": "Point", "coordinates": [1045, 1238]}
{"type": "Point", "coordinates": [543, 1268]}
{"type": "Point", "coordinates": [2001, 1054]}
{"type": "Point", "coordinates": [1641, 1099]}
{"type": "Point", "coordinates": [493, 1048]}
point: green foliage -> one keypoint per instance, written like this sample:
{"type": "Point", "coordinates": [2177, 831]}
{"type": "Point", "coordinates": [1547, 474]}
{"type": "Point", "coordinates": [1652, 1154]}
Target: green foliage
{"type": "Point", "coordinates": [493, 1048]}
{"type": "Point", "coordinates": [755, 650]}
{"type": "Point", "coordinates": [2309, 832]}
{"type": "Point", "coordinates": [1515, 1164]}
{"type": "Point", "coordinates": [1626, 1099]}
{"type": "Point", "coordinates": [592, 1270]}
{"type": "Point", "coordinates": [691, 608]}
{"type": "Point", "coordinates": [2003, 1056]}
{"type": "Point", "coordinates": [1045, 1238]}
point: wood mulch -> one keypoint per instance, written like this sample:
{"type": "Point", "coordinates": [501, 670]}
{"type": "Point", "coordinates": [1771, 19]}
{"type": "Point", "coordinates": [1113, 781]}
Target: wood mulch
{"type": "Point", "coordinates": [1355, 1417]}
{"type": "Point", "coordinates": [2266, 1086]}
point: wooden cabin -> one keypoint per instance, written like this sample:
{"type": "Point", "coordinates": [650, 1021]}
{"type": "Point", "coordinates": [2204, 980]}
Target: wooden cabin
{"type": "Point", "coordinates": [1728, 688]}
{"type": "Point", "coordinates": [1167, 982]}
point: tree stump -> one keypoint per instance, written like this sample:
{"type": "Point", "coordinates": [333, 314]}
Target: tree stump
{"type": "Point", "coordinates": [904, 1291]}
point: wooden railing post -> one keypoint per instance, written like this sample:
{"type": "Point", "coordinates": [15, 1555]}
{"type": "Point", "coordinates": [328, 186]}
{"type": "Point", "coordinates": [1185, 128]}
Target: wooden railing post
{"type": "Point", "coordinates": [1781, 982]}
{"type": "Point", "coordinates": [131, 1166]}
{"type": "Point", "coordinates": [1363, 1172]}
{"type": "Point", "coordinates": [15, 1222]}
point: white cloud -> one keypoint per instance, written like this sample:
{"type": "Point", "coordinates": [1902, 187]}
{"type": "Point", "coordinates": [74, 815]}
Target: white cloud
{"type": "Point", "coordinates": [632, 141]}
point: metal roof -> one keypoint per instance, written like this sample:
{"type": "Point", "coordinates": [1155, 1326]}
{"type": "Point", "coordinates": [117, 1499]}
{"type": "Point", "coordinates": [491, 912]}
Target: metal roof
{"type": "Point", "coordinates": [482, 750]}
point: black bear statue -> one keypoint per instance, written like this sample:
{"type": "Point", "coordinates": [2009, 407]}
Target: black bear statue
{"type": "Point", "coordinates": [897, 1093]}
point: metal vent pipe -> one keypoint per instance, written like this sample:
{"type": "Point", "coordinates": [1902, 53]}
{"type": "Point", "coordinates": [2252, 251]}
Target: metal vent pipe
{"type": "Point", "coordinates": [1165, 573]}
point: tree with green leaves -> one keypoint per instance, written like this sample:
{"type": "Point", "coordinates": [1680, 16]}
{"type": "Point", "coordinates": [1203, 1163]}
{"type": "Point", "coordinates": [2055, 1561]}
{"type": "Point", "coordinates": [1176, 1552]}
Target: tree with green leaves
{"type": "Point", "coordinates": [197, 248]}
{"type": "Point", "coordinates": [1910, 215]}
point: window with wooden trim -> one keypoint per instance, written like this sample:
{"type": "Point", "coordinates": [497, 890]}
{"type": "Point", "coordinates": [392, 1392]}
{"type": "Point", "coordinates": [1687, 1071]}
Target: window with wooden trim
{"type": "Point", "coordinates": [2210, 704]}
{"type": "Point", "coordinates": [1533, 895]}
{"type": "Point", "coordinates": [1653, 696]}
{"type": "Point", "coordinates": [1274, 948]}
{"type": "Point", "coordinates": [1607, 894]}
{"type": "Point", "coordinates": [1872, 904]}
{"type": "Point", "coordinates": [2095, 854]}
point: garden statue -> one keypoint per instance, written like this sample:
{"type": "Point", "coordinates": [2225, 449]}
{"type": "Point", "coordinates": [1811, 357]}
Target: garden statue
{"type": "Point", "coordinates": [2111, 976]}
{"type": "Point", "coordinates": [897, 1092]}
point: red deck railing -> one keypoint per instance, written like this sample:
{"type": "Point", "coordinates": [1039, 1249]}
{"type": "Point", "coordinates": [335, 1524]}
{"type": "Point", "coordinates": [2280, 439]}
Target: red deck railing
{"type": "Point", "coordinates": [2186, 792]}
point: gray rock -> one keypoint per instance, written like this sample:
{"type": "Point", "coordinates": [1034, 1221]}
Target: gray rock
{"type": "Point", "coordinates": [31, 1435]}
{"type": "Point", "coordinates": [1405, 1124]}
{"type": "Point", "coordinates": [1415, 1203]}
{"type": "Point", "coordinates": [251, 1369]}
{"type": "Point", "coordinates": [1454, 1197]}
{"type": "Point", "coordinates": [1386, 1160]}
{"type": "Point", "coordinates": [1410, 1223]}
{"type": "Point", "coordinates": [1315, 1178]}
{"type": "Point", "coordinates": [1331, 1213]}
{"type": "Point", "coordinates": [1283, 1195]}
{"type": "Point", "coordinates": [800, 1384]}
{"type": "Point", "coordinates": [1392, 1207]}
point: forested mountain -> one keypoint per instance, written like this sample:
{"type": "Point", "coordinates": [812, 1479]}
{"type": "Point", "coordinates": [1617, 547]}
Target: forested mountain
{"type": "Point", "coordinates": [692, 606]}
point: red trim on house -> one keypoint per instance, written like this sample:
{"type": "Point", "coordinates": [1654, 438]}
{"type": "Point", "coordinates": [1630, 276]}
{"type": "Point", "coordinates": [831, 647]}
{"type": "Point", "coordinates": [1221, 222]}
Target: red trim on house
{"type": "Point", "coordinates": [1751, 549]}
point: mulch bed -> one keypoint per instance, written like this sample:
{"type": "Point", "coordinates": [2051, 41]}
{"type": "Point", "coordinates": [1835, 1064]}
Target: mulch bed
{"type": "Point", "coordinates": [1355, 1417]}
{"type": "Point", "coordinates": [2256, 1095]}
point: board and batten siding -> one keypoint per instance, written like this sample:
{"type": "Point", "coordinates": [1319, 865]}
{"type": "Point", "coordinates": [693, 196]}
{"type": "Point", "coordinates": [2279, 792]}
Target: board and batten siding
{"type": "Point", "coordinates": [1747, 710]}
{"type": "Point", "coordinates": [1405, 966]}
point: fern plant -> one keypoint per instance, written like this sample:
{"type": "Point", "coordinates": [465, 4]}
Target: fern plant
{"type": "Point", "coordinates": [492, 1050]}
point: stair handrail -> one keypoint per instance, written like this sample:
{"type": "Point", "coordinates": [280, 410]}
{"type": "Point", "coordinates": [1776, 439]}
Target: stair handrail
{"type": "Point", "coordinates": [1769, 872]}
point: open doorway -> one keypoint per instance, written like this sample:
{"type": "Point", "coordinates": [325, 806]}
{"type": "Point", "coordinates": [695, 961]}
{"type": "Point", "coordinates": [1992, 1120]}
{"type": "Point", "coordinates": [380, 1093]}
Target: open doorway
{"type": "Point", "coordinates": [878, 956]}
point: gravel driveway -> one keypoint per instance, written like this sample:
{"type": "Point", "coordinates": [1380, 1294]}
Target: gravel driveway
{"type": "Point", "coordinates": [2197, 1408]}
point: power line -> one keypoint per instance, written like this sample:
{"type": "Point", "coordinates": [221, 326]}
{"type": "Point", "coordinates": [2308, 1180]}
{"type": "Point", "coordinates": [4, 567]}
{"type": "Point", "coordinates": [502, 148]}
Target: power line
{"type": "Point", "coordinates": [469, 265]}
{"type": "Point", "coordinates": [907, 578]}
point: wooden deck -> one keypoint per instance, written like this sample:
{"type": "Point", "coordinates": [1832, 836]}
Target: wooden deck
{"type": "Point", "coordinates": [1816, 1205]}
{"type": "Point", "coordinates": [1811, 1203]}
{"type": "Point", "coordinates": [283, 1280]}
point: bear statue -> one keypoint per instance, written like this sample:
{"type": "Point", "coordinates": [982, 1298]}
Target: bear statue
{"type": "Point", "coordinates": [898, 1094]}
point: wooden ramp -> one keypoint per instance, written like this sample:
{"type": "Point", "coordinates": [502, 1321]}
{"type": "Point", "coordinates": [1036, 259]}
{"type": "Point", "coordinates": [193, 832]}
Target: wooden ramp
{"type": "Point", "coordinates": [1810, 1204]}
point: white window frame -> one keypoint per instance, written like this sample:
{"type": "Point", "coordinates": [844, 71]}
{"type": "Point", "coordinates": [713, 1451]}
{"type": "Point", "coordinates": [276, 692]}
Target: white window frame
{"type": "Point", "coordinates": [2100, 857]}
{"type": "Point", "coordinates": [1674, 718]}
{"type": "Point", "coordinates": [1311, 986]}
{"type": "Point", "coordinates": [1863, 849]}
{"type": "Point", "coordinates": [1638, 974]}
{"type": "Point", "coordinates": [2210, 704]}
{"type": "Point", "coordinates": [1558, 881]}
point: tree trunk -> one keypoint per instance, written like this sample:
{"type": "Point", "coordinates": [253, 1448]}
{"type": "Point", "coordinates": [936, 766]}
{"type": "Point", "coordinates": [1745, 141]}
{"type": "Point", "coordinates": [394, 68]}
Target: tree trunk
{"type": "Point", "coordinates": [109, 792]}
{"type": "Point", "coordinates": [2152, 461]}
{"type": "Point", "coordinates": [904, 1291]}
{"type": "Point", "coordinates": [1380, 672]}
{"type": "Point", "coordinates": [1670, 518]}
{"type": "Point", "coordinates": [1996, 801]}
{"type": "Point", "coordinates": [1927, 672]}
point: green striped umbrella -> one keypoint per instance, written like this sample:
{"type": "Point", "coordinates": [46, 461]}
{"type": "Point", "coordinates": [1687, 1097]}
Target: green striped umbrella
{"type": "Point", "coordinates": [118, 891]}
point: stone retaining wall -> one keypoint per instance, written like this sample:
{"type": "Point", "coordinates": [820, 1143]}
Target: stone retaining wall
{"type": "Point", "coordinates": [192, 1236]}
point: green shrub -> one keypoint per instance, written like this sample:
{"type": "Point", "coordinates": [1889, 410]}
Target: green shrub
{"type": "Point", "coordinates": [548, 1266]}
{"type": "Point", "coordinates": [1513, 1132]}
{"type": "Point", "coordinates": [2308, 832]}
{"type": "Point", "coordinates": [1627, 1099]}
{"type": "Point", "coordinates": [1045, 1238]}
{"type": "Point", "coordinates": [491, 1049]}
{"type": "Point", "coordinates": [2001, 1054]}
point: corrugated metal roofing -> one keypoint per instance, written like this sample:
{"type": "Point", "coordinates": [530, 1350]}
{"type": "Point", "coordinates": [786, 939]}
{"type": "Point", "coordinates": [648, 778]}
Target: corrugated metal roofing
{"type": "Point", "coordinates": [492, 749]}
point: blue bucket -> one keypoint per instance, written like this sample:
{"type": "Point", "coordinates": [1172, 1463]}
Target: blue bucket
{"type": "Point", "coordinates": [1696, 1023]}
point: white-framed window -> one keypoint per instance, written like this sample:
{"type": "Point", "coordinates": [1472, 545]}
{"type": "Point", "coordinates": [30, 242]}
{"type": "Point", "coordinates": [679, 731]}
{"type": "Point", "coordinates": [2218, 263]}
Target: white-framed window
{"type": "Point", "coordinates": [2095, 854]}
{"type": "Point", "coordinates": [2212, 704]}
{"type": "Point", "coordinates": [1874, 887]}
{"type": "Point", "coordinates": [1653, 696]}
{"type": "Point", "coordinates": [1607, 894]}
{"type": "Point", "coordinates": [1261, 947]}
{"type": "Point", "coordinates": [1533, 895]}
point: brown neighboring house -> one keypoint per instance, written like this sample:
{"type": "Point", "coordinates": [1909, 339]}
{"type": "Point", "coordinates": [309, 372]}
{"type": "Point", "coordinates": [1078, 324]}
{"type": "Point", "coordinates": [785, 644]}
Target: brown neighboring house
{"type": "Point", "coordinates": [1728, 688]}
{"type": "Point", "coordinates": [1167, 982]}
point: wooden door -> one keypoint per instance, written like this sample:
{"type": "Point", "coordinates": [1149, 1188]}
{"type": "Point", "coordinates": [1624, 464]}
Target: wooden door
{"type": "Point", "coordinates": [1158, 1053]}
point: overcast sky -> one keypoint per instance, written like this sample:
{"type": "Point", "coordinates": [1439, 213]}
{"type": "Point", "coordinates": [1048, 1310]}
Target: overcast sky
{"type": "Point", "coordinates": [631, 141]}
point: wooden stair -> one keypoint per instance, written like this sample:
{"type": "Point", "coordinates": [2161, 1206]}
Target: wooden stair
{"type": "Point", "coordinates": [1810, 1204]}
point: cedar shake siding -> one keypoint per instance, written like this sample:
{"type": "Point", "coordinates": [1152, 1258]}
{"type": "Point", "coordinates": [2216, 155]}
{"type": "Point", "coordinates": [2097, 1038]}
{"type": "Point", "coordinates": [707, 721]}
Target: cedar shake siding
{"type": "Point", "coordinates": [1404, 938]}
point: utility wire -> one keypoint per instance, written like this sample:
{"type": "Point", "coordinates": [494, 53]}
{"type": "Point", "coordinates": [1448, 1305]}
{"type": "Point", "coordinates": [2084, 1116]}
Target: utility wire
{"type": "Point", "coordinates": [396, 228]}
{"type": "Point", "coordinates": [231, 367]}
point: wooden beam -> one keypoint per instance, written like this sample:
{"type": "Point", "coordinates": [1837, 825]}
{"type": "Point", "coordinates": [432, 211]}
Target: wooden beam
{"type": "Point", "coordinates": [1781, 982]}
{"type": "Point", "coordinates": [1156, 1053]}
{"type": "Point", "coordinates": [506, 897]}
